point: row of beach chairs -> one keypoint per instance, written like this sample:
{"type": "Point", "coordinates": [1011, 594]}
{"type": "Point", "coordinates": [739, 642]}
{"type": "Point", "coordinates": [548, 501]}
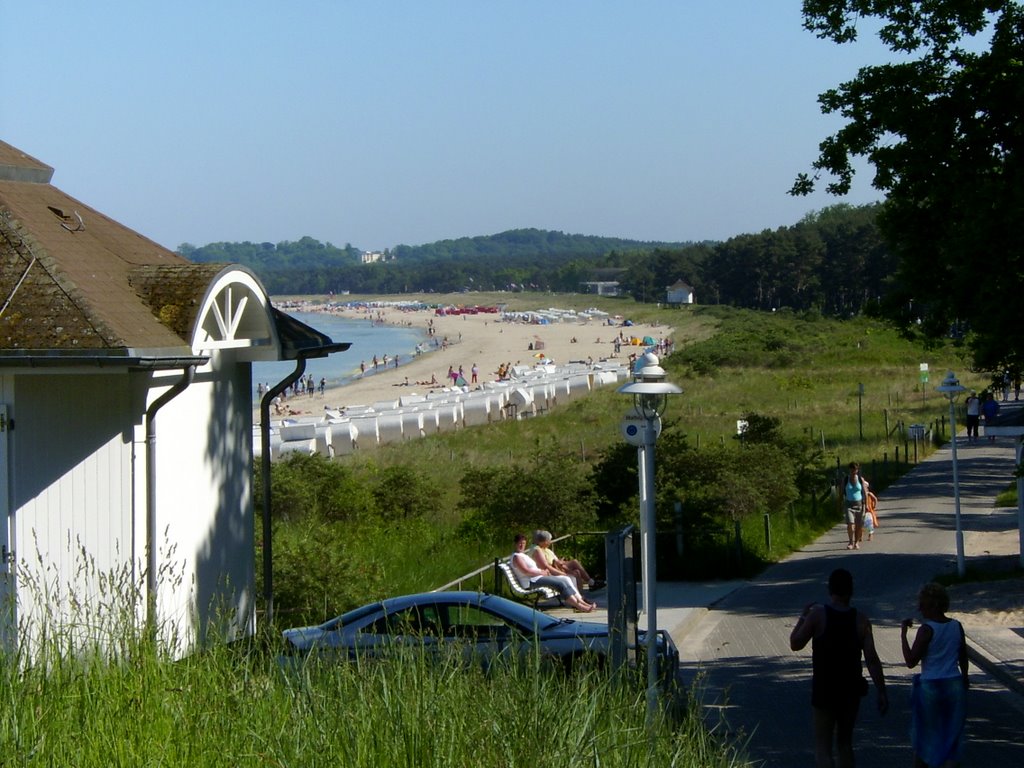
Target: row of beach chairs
{"type": "Point", "coordinates": [411, 416]}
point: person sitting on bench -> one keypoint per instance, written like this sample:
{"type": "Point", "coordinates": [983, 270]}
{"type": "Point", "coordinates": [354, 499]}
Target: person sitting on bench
{"type": "Point", "coordinates": [530, 574]}
{"type": "Point", "coordinates": [545, 556]}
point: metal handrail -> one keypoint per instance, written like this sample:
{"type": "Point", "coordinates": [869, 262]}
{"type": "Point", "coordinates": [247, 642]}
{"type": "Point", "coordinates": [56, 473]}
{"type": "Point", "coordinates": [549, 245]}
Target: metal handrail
{"type": "Point", "coordinates": [465, 577]}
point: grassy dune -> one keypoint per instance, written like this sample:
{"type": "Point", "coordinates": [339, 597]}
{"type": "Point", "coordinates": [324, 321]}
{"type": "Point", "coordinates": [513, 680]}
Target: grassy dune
{"type": "Point", "coordinates": [803, 370]}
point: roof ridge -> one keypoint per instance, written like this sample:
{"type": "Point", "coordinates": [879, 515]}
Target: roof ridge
{"type": "Point", "coordinates": [16, 165]}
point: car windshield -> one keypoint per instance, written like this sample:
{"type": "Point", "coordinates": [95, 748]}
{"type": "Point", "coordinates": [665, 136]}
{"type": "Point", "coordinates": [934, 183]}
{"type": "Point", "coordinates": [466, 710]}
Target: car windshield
{"type": "Point", "coordinates": [518, 613]}
{"type": "Point", "coordinates": [346, 619]}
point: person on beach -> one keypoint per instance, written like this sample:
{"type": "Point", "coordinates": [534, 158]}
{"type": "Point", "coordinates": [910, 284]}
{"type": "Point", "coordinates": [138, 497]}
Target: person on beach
{"type": "Point", "coordinates": [839, 634]}
{"type": "Point", "coordinates": [855, 491]}
{"type": "Point", "coordinates": [938, 700]}
{"type": "Point", "coordinates": [528, 573]}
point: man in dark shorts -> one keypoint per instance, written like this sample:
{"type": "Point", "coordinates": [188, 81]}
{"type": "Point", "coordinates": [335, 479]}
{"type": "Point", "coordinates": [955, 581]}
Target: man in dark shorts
{"type": "Point", "coordinates": [838, 634]}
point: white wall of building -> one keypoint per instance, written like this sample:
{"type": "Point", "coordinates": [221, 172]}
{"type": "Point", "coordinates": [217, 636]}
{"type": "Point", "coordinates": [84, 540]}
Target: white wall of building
{"type": "Point", "coordinates": [205, 505]}
{"type": "Point", "coordinates": [71, 498]}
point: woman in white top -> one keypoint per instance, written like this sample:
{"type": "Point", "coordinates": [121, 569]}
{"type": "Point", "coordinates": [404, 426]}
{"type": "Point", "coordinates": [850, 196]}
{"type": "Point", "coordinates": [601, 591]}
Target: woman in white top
{"type": "Point", "coordinates": [529, 573]}
{"type": "Point", "coordinates": [938, 702]}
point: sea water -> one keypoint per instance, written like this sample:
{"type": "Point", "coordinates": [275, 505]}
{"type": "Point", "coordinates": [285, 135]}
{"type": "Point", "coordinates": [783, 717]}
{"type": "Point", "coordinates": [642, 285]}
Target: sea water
{"type": "Point", "coordinates": [367, 339]}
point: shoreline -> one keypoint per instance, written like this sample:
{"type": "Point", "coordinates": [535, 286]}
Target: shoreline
{"type": "Point", "coordinates": [486, 341]}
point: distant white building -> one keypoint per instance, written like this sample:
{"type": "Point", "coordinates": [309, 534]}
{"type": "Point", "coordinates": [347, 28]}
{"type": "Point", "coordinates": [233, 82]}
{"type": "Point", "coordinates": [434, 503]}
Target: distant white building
{"type": "Point", "coordinates": [370, 257]}
{"type": "Point", "coordinates": [679, 293]}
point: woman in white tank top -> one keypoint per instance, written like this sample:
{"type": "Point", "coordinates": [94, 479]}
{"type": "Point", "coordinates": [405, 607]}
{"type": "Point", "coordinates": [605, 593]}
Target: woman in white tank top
{"type": "Point", "coordinates": [939, 699]}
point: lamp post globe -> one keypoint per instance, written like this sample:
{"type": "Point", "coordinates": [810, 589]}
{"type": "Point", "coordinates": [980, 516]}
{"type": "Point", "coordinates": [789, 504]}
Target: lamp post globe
{"type": "Point", "coordinates": [641, 427]}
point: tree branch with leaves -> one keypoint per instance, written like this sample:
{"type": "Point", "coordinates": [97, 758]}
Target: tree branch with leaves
{"type": "Point", "coordinates": [942, 127]}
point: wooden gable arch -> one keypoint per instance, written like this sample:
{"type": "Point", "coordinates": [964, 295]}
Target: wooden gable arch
{"type": "Point", "coordinates": [236, 314]}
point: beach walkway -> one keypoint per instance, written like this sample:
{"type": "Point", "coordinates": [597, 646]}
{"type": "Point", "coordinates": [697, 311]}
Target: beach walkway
{"type": "Point", "coordinates": [733, 636]}
{"type": "Point", "coordinates": [758, 691]}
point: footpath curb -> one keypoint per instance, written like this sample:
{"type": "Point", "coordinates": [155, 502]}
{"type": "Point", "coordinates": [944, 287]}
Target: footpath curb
{"type": "Point", "coordinates": [1000, 669]}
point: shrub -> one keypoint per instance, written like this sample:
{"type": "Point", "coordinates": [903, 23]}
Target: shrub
{"type": "Point", "coordinates": [551, 491]}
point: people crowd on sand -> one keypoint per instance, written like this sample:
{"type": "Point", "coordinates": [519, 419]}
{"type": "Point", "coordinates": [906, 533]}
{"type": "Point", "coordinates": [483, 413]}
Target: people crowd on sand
{"type": "Point", "coordinates": [474, 373]}
{"type": "Point", "coordinates": [304, 385]}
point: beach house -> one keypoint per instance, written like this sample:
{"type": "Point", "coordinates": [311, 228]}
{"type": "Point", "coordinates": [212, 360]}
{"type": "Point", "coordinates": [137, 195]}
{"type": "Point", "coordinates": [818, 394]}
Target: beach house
{"type": "Point", "coordinates": [679, 293]}
{"type": "Point", "coordinates": [126, 456]}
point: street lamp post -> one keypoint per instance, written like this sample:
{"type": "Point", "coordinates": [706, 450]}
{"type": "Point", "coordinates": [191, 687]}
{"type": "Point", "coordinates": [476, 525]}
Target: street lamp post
{"type": "Point", "coordinates": [641, 428]}
{"type": "Point", "coordinates": [952, 388]}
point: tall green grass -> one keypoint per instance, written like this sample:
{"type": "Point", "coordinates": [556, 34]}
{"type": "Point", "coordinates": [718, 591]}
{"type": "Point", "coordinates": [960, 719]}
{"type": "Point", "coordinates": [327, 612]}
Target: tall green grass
{"type": "Point", "coordinates": [236, 708]}
{"type": "Point", "coordinates": [119, 694]}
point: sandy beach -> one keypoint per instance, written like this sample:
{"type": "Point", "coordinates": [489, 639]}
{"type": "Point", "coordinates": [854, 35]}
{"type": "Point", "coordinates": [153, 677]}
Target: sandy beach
{"type": "Point", "coordinates": [481, 340]}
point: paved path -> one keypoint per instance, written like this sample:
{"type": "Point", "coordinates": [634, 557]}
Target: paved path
{"type": "Point", "coordinates": [757, 690]}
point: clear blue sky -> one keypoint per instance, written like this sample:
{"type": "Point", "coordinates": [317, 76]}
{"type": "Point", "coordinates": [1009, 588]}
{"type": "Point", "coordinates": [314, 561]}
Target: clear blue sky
{"type": "Point", "coordinates": [380, 122]}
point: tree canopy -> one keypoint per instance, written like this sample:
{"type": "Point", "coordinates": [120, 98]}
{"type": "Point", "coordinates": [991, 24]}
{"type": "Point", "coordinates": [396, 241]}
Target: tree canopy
{"type": "Point", "coordinates": [833, 261]}
{"type": "Point", "coordinates": [942, 128]}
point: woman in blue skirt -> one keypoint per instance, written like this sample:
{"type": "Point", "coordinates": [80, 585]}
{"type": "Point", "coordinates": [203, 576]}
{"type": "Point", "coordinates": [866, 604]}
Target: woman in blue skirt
{"type": "Point", "coordinates": [938, 702]}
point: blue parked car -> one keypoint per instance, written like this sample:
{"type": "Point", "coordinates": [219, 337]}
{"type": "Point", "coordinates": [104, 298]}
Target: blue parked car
{"type": "Point", "coordinates": [474, 623]}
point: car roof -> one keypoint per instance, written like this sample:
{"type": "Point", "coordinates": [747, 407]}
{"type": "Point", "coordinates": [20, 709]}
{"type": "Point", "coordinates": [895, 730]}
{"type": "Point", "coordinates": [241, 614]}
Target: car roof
{"type": "Point", "coordinates": [517, 612]}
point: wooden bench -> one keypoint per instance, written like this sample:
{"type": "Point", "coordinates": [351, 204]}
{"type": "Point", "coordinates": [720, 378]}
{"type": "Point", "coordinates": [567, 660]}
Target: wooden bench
{"type": "Point", "coordinates": [527, 594]}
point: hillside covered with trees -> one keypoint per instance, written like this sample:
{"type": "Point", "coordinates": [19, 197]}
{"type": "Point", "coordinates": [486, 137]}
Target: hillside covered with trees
{"type": "Point", "coordinates": [521, 259]}
{"type": "Point", "coordinates": [833, 260]}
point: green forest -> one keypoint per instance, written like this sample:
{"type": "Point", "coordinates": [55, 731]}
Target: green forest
{"type": "Point", "coordinates": [833, 261]}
